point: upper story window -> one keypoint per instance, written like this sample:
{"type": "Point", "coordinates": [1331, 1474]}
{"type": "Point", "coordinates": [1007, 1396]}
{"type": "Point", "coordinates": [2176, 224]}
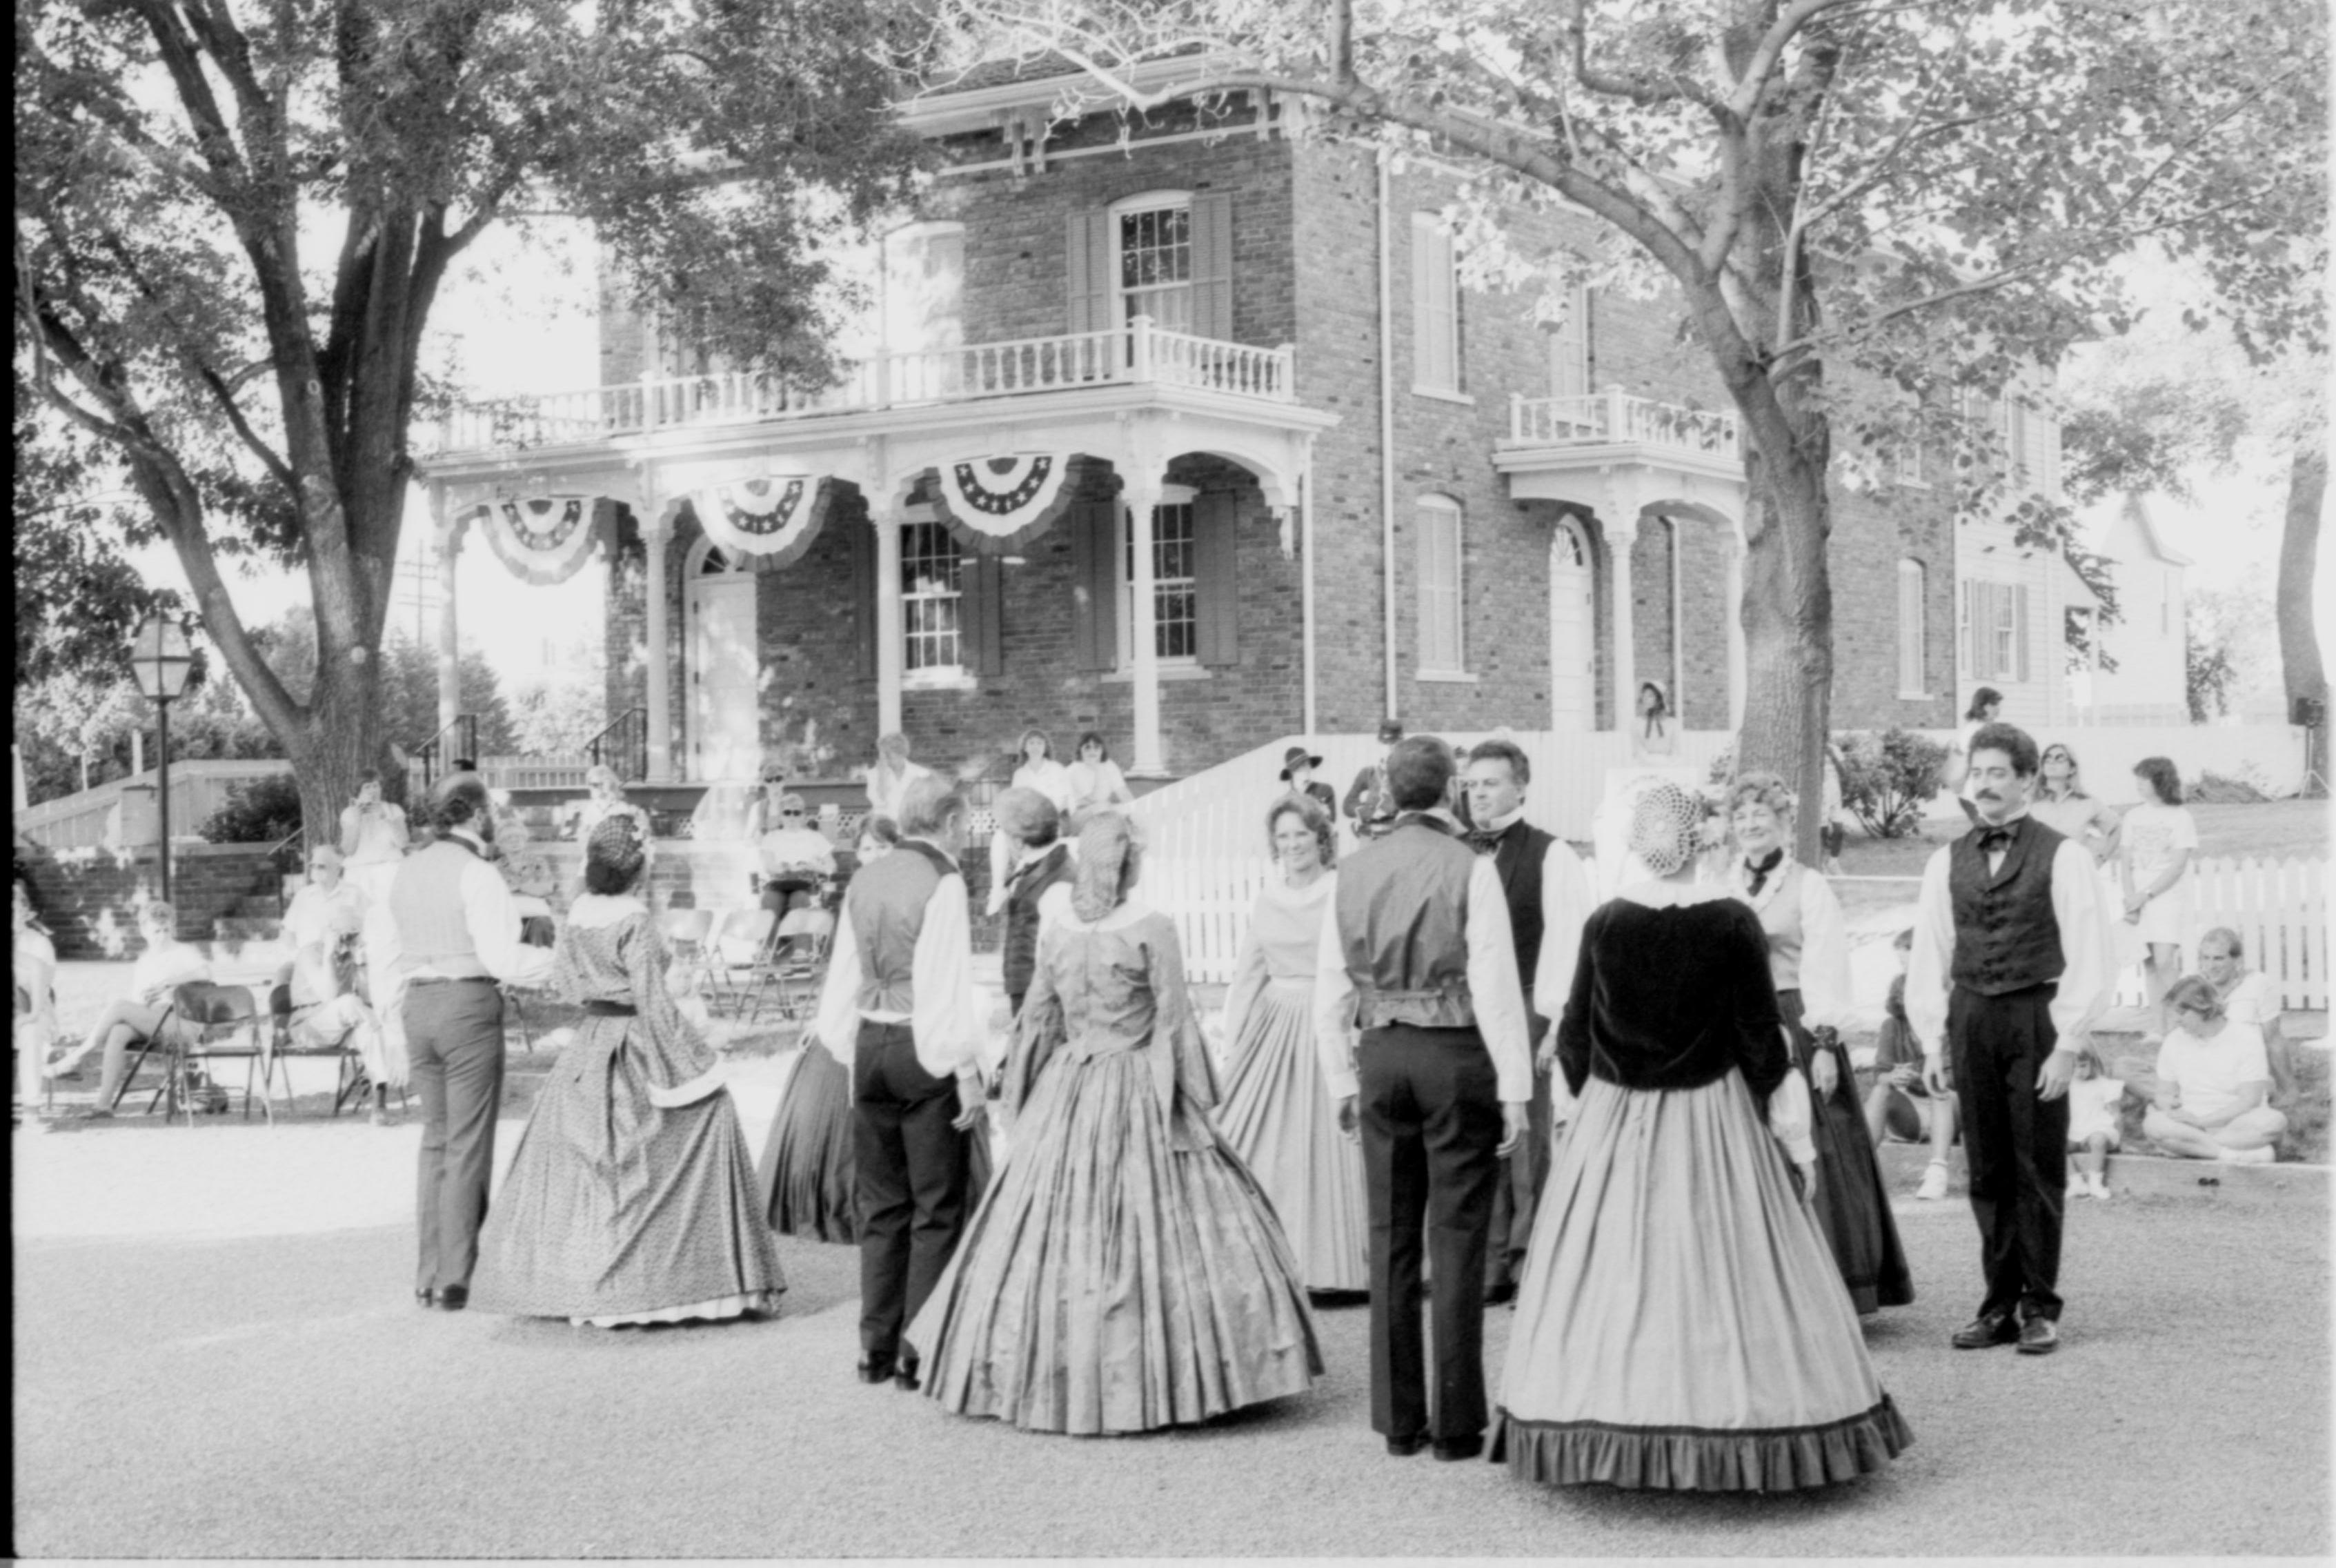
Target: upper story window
{"type": "Point", "coordinates": [1152, 240]}
{"type": "Point", "coordinates": [1995, 624]}
{"type": "Point", "coordinates": [1914, 599]}
{"type": "Point", "coordinates": [924, 287]}
{"type": "Point", "coordinates": [1441, 649]}
{"type": "Point", "coordinates": [1175, 583]}
{"type": "Point", "coordinates": [1435, 308]}
{"type": "Point", "coordinates": [1569, 347]}
{"type": "Point", "coordinates": [931, 598]}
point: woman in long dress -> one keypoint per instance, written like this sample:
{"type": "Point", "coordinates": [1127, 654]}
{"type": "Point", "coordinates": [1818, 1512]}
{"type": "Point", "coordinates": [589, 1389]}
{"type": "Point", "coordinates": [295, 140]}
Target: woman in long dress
{"type": "Point", "coordinates": [1680, 1324]}
{"type": "Point", "coordinates": [2157, 842]}
{"type": "Point", "coordinates": [1277, 1114]}
{"type": "Point", "coordinates": [1125, 1273]}
{"type": "Point", "coordinates": [629, 1199]}
{"type": "Point", "coordinates": [1808, 959]}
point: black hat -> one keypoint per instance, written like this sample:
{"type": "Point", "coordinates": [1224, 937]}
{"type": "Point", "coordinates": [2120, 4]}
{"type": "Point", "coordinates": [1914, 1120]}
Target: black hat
{"type": "Point", "coordinates": [1390, 730]}
{"type": "Point", "coordinates": [1293, 758]}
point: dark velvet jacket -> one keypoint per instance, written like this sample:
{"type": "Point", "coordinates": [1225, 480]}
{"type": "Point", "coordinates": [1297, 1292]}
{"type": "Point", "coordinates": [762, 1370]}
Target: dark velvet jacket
{"type": "Point", "coordinates": [1671, 999]}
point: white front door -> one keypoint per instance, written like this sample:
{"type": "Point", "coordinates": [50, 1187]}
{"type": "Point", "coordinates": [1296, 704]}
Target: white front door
{"type": "Point", "coordinates": [1572, 652]}
{"type": "Point", "coordinates": [724, 667]}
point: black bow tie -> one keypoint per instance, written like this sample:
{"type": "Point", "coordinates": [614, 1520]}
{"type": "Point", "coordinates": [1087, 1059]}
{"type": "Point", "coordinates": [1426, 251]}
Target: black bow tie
{"type": "Point", "coordinates": [1762, 867]}
{"type": "Point", "coordinates": [2001, 838]}
{"type": "Point", "coordinates": [1484, 841]}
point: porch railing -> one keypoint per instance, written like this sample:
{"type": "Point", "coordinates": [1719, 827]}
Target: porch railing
{"type": "Point", "coordinates": [1141, 353]}
{"type": "Point", "coordinates": [431, 761]}
{"type": "Point", "coordinates": [623, 745]}
{"type": "Point", "coordinates": [1614, 416]}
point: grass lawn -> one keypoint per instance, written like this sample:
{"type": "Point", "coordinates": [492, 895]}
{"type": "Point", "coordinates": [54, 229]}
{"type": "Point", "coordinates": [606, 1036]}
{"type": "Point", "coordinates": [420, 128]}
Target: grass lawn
{"type": "Point", "coordinates": [2275, 829]}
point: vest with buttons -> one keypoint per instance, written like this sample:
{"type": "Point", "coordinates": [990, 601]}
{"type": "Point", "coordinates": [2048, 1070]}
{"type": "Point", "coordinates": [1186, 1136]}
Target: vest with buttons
{"type": "Point", "coordinates": [1020, 961]}
{"type": "Point", "coordinates": [2006, 937]}
{"type": "Point", "coordinates": [1402, 914]}
{"type": "Point", "coordinates": [427, 901]}
{"type": "Point", "coordinates": [886, 906]}
{"type": "Point", "coordinates": [1522, 851]}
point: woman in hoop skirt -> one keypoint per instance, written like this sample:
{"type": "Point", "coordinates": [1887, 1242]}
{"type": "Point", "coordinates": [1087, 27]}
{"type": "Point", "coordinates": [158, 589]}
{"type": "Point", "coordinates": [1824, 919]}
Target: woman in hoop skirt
{"type": "Point", "coordinates": [629, 1200]}
{"type": "Point", "coordinates": [1125, 1273]}
{"type": "Point", "coordinates": [1680, 1324]}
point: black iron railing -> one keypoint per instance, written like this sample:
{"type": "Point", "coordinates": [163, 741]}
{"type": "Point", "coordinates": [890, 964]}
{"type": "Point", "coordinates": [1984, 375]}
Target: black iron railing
{"type": "Point", "coordinates": [435, 758]}
{"type": "Point", "coordinates": [624, 745]}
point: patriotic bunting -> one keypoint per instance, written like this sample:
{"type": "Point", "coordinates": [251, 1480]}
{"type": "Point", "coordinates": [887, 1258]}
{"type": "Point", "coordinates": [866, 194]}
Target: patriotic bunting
{"type": "Point", "coordinates": [542, 539]}
{"type": "Point", "coordinates": [774, 519]}
{"type": "Point", "coordinates": [997, 504]}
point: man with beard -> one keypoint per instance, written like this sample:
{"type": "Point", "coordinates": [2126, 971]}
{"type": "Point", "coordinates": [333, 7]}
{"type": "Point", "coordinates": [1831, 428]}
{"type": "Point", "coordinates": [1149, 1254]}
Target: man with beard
{"type": "Point", "coordinates": [453, 935]}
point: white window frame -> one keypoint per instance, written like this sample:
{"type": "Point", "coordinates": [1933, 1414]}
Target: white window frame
{"type": "Point", "coordinates": [1914, 632]}
{"type": "Point", "coordinates": [1435, 254]}
{"type": "Point", "coordinates": [1441, 512]}
{"type": "Point", "coordinates": [1116, 215]}
{"type": "Point", "coordinates": [1570, 343]}
{"type": "Point", "coordinates": [912, 599]}
{"type": "Point", "coordinates": [926, 232]}
{"type": "Point", "coordinates": [1174, 499]}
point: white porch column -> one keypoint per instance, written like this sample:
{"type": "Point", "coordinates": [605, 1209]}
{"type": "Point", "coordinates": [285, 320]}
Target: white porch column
{"type": "Point", "coordinates": [656, 529]}
{"type": "Point", "coordinates": [1739, 674]}
{"type": "Point", "coordinates": [1621, 534]}
{"type": "Point", "coordinates": [888, 625]}
{"type": "Point", "coordinates": [1140, 492]}
{"type": "Point", "coordinates": [446, 535]}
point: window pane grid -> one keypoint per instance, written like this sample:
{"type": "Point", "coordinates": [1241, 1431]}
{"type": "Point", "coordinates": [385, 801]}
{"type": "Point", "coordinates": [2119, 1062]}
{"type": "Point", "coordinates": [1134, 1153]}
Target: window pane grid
{"type": "Point", "coordinates": [931, 570]}
{"type": "Point", "coordinates": [1156, 266]}
{"type": "Point", "coordinates": [1175, 581]}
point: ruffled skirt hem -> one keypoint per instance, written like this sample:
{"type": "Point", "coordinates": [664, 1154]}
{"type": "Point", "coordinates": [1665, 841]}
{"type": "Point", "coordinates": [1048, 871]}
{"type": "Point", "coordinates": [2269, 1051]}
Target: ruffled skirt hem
{"type": "Point", "coordinates": [1699, 1459]}
{"type": "Point", "coordinates": [721, 1307]}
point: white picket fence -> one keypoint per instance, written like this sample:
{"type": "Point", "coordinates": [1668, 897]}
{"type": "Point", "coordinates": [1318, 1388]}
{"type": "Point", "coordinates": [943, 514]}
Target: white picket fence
{"type": "Point", "coordinates": [2280, 910]}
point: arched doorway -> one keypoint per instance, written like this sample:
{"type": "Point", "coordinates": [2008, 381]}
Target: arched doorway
{"type": "Point", "coordinates": [724, 665]}
{"type": "Point", "coordinates": [1573, 645]}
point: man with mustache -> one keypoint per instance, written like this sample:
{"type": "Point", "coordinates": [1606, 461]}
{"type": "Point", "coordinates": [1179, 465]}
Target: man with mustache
{"type": "Point", "coordinates": [2010, 967]}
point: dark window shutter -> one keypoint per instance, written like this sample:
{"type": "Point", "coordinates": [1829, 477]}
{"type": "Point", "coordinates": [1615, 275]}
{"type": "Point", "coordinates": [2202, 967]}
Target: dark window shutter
{"type": "Point", "coordinates": [1217, 578]}
{"type": "Point", "coordinates": [863, 597]}
{"type": "Point", "coordinates": [982, 585]}
{"type": "Point", "coordinates": [1212, 265]}
{"type": "Point", "coordinates": [1094, 583]}
{"type": "Point", "coordinates": [1088, 272]}
{"type": "Point", "coordinates": [2019, 633]}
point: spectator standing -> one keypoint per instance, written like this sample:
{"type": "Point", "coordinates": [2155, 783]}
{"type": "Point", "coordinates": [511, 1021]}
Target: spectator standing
{"type": "Point", "coordinates": [1036, 771]}
{"type": "Point", "coordinates": [2159, 839]}
{"type": "Point", "coordinates": [1298, 766]}
{"type": "Point", "coordinates": [2062, 805]}
{"type": "Point", "coordinates": [889, 780]}
{"type": "Point", "coordinates": [1986, 703]}
{"type": "Point", "coordinates": [167, 964]}
{"type": "Point", "coordinates": [452, 935]}
{"type": "Point", "coordinates": [1370, 803]}
{"type": "Point", "coordinates": [1654, 736]}
{"type": "Point", "coordinates": [2248, 998]}
{"type": "Point", "coordinates": [1097, 782]}
{"type": "Point", "coordinates": [373, 837]}
{"type": "Point", "coordinates": [2213, 1084]}
{"type": "Point", "coordinates": [1037, 882]}
{"type": "Point", "coordinates": [2094, 1103]}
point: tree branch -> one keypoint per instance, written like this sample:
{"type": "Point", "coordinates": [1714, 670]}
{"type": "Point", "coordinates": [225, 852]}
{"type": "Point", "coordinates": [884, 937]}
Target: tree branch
{"type": "Point", "coordinates": [1753, 82]}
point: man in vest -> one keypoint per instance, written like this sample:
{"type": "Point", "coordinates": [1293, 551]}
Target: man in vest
{"type": "Point", "coordinates": [1421, 1025]}
{"type": "Point", "coordinates": [1548, 895]}
{"type": "Point", "coordinates": [1038, 888]}
{"type": "Point", "coordinates": [452, 935]}
{"type": "Point", "coordinates": [898, 1005]}
{"type": "Point", "coordinates": [2010, 967]}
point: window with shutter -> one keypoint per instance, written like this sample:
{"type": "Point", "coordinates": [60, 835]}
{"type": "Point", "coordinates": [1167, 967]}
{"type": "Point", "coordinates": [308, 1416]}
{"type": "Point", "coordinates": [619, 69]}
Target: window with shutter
{"type": "Point", "coordinates": [1088, 272]}
{"type": "Point", "coordinates": [1966, 632]}
{"type": "Point", "coordinates": [1569, 349]}
{"type": "Point", "coordinates": [1913, 678]}
{"type": "Point", "coordinates": [1440, 649]}
{"type": "Point", "coordinates": [1095, 589]}
{"type": "Point", "coordinates": [931, 599]}
{"type": "Point", "coordinates": [1152, 259]}
{"type": "Point", "coordinates": [1435, 308]}
{"type": "Point", "coordinates": [1217, 567]}
{"type": "Point", "coordinates": [1175, 585]}
{"type": "Point", "coordinates": [2019, 625]}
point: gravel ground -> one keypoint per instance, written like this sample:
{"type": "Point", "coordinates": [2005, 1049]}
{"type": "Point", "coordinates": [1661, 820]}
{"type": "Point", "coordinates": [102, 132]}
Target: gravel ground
{"type": "Point", "coordinates": [217, 1355]}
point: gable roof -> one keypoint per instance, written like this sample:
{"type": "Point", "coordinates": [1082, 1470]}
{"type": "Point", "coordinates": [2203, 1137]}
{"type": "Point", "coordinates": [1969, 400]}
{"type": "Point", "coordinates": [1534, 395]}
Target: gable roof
{"type": "Point", "coordinates": [2136, 509]}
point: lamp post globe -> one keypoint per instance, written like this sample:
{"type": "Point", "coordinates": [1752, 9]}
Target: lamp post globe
{"type": "Point", "coordinates": [160, 660]}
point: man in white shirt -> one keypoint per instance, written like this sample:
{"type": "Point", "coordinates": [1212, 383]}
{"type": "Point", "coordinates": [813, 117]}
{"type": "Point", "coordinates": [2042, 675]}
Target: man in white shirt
{"type": "Point", "coordinates": [1420, 1021]}
{"type": "Point", "coordinates": [898, 1011]}
{"type": "Point", "coordinates": [2248, 998]}
{"type": "Point", "coordinates": [2009, 967]}
{"type": "Point", "coordinates": [451, 933]}
{"type": "Point", "coordinates": [889, 780]}
{"type": "Point", "coordinates": [796, 857]}
{"type": "Point", "coordinates": [166, 964]}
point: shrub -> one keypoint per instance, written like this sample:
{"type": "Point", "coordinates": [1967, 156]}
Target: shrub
{"type": "Point", "coordinates": [1886, 779]}
{"type": "Point", "coordinates": [258, 811]}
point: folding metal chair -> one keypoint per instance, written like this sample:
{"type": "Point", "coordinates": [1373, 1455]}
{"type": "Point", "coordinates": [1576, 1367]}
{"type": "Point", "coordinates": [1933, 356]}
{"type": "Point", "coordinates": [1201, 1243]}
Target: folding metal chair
{"type": "Point", "coordinates": [739, 947]}
{"type": "Point", "coordinates": [213, 1023]}
{"type": "Point", "coordinates": [686, 932]}
{"type": "Point", "coordinates": [350, 1079]}
{"type": "Point", "coordinates": [797, 962]}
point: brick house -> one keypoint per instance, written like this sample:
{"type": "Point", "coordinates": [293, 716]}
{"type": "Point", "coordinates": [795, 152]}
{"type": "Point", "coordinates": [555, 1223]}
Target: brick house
{"type": "Point", "coordinates": [1187, 431]}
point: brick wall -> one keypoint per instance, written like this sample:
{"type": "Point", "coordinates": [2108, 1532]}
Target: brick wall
{"type": "Point", "coordinates": [91, 899]}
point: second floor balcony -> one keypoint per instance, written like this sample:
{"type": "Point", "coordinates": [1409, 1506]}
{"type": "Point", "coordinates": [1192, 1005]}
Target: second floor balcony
{"type": "Point", "coordinates": [1140, 356]}
{"type": "Point", "coordinates": [1614, 418]}
{"type": "Point", "coordinates": [1617, 453]}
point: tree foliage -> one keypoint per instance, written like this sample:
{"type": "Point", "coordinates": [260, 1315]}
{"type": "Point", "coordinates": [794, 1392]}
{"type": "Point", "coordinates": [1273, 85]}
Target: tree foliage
{"type": "Point", "coordinates": [1928, 200]}
{"type": "Point", "coordinates": [1887, 779]}
{"type": "Point", "coordinates": [233, 224]}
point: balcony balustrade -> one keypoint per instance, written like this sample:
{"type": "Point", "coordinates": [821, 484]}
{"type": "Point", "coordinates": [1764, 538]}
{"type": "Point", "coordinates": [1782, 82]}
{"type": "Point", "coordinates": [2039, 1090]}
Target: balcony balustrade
{"type": "Point", "coordinates": [1615, 418]}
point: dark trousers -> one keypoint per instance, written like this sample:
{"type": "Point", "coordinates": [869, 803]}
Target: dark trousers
{"type": "Point", "coordinates": [2016, 1143]}
{"type": "Point", "coordinates": [911, 1180]}
{"type": "Point", "coordinates": [1517, 1195]}
{"type": "Point", "coordinates": [1429, 1104]}
{"type": "Point", "coordinates": [455, 1034]}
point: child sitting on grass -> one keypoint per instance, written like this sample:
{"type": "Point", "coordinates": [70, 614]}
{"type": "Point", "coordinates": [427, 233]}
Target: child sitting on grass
{"type": "Point", "coordinates": [1900, 1105]}
{"type": "Point", "coordinates": [2093, 1101]}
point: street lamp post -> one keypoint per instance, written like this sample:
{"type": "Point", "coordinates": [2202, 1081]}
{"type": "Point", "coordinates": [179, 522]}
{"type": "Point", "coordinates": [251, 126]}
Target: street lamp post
{"type": "Point", "coordinates": [161, 662]}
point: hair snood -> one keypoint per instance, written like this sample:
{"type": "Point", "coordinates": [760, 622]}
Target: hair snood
{"type": "Point", "coordinates": [1663, 827]}
{"type": "Point", "coordinates": [614, 856]}
{"type": "Point", "coordinates": [460, 800]}
{"type": "Point", "coordinates": [1109, 853]}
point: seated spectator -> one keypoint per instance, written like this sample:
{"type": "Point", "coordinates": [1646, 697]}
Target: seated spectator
{"type": "Point", "coordinates": [2213, 1082]}
{"type": "Point", "coordinates": [1900, 1105]}
{"type": "Point", "coordinates": [889, 780]}
{"type": "Point", "coordinates": [2248, 998]}
{"type": "Point", "coordinates": [310, 916]}
{"type": "Point", "coordinates": [167, 964]}
{"type": "Point", "coordinates": [35, 966]}
{"type": "Point", "coordinates": [796, 857]}
{"type": "Point", "coordinates": [328, 1008]}
{"type": "Point", "coordinates": [530, 881]}
{"type": "Point", "coordinates": [2094, 1124]}
{"type": "Point", "coordinates": [606, 799]}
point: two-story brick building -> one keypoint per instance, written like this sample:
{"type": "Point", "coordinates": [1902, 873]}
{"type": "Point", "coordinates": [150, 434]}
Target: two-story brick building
{"type": "Point", "coordinates": [1185, 430]}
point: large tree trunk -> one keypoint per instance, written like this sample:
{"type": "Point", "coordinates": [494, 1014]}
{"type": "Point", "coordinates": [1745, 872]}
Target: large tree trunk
{"type": "Point", "coordinates": [2299, 636]}
{"type": "Point", "coordinates": [1787, 614]}
{"type": "Point", "coordinates": [341, 740]}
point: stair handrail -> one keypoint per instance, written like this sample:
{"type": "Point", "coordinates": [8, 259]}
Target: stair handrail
{"type": "Point", "coordinates": [276, 858]}
{"type": "Point", "coordinates": [432, 751]}
{"type": "Point", "coordinates": [632, 746]}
